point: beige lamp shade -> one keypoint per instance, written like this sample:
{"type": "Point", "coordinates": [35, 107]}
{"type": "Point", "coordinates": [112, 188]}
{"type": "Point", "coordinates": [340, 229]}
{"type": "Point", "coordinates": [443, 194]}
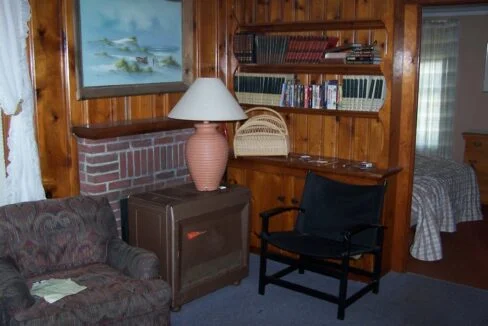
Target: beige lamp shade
{"type": "Point", "coordinates": [207, 99]}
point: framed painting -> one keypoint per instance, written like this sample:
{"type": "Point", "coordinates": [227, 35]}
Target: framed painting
{"type": "Point", "coordinates": [127, 47]}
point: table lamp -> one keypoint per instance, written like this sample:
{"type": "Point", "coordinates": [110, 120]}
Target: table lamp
{"type": "Point", "coordinates": [207, 151]}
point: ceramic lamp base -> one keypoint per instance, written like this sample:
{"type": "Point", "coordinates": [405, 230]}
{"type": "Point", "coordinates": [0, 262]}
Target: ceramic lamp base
{"type": "Point", "coordinates": [206, 155]}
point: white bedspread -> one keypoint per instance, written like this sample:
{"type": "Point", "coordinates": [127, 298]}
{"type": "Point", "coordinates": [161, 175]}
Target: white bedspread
{"type": "Point", "coordinates": [444, 194]}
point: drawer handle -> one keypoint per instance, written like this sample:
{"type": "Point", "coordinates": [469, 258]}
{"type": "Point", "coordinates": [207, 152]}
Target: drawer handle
{"type": "Point", "coordinates": [281, 199]}
{"type": "Point", "coordinates": [294, 201]}
{"type": "Point", "coordinates": [477, 144]}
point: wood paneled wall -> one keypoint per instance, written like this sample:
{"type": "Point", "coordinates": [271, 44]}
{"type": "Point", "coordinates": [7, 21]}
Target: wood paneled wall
{"type": "Point", "coordinates": [52, 56]}
{"type": "Point", "coordinates": [345, 137]}
{"type": "Point", "coordinates": [387, 140]}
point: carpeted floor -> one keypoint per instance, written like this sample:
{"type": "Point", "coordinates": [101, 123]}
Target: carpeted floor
{"type": "Point", "coordinates": [404, 299]}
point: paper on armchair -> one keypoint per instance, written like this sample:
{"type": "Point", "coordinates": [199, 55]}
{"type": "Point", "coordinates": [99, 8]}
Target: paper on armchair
{"type": "Point", "coordinates": [53, 289]}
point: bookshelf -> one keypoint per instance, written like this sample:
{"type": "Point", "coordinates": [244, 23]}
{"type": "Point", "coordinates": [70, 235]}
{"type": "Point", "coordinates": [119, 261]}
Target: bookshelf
{"type": "Point", "coordinates": [314, 68]}
{"type": "Point", "coordinates": [337, 113]}
{"type": "Point", "coordinates": [312, 26]}
{"type": "Point", "coordinates": [252, 64]}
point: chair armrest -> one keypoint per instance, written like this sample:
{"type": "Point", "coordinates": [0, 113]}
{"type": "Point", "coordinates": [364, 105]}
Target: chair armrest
{"type": "Point", "coordinates": [277, 210]}
{"type": "Point", "coordinates": [355, 229]}
{"type": "Point", "coordinates": [266, 215]}
{"type": "Point", "coordinates": [14, 292]}
{"type": "Point", "coordinates": [135, 262]}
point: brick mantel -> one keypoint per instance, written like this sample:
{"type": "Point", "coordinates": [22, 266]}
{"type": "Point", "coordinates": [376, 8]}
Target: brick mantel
{"type": "Point", "coordinates": [122, 165]}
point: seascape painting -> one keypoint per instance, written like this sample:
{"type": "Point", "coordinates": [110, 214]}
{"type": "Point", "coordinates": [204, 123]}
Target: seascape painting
{"type": "Point", "coordinates": [127, 42]}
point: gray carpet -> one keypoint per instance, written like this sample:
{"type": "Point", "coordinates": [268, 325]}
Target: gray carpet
{"type": "Point", "coordinates": [404, 299]}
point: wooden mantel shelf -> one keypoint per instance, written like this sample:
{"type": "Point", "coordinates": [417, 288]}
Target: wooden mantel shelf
{"type": "Point", "coordinates": [128, 128]}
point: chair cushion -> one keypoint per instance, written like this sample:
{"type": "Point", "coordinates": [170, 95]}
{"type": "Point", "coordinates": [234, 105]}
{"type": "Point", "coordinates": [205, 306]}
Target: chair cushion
{"type": "Point", "coordinates": [110, 297]}
{"type": "Point", "coordinates": [313, 246]}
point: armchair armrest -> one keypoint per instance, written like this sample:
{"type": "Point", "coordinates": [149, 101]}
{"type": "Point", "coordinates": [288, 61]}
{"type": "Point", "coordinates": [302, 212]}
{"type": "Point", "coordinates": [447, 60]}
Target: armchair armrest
{"type": "Point", "coordinates": [135, 262]}
{"type": "Point", "coordinates": [14, 292]}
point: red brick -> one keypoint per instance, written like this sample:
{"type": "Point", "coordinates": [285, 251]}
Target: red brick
{"type": "Point", "coordinates": [181, 155]}
{"type": "Point", "coordinates": [89, 188]}
{"type": "Point", "coordinates": [137, 163]}
{"type": "Point", "coordinates": [119, 184]}
{"type": "Point", "coordinates": [102, 178]}
{"type": "Point", "coordinates": [130, 164]}
{"type": "Point", "coordinates": [169, 158]}
{"type": "Point", "coordinates": [97, 159]}
{"type": "Point", "coordinates": [157, 159]}
{"type": "Point", "coordinates": [102, 168]}
{"type": "Point", "coordinates": [164, 165]}
{"type": "Point", "coordinates": [183, 137]}
{"type": "Point", "coordinates": [163, 141]}
{"type": "Point", "coordinates": [123, 165]}
{"type": "Point", "coordinates": [143, 181]}
{"type": "Point", "coordinates": [141, 143]}
{"type": "Point", "coordinates": [91, 149]}
{"type": "Point", "coordinates": [115, 147]}
{"type": "Point", "coordinates": [150, 161]}
{"type": "Point", "coordinates": [144, 162]}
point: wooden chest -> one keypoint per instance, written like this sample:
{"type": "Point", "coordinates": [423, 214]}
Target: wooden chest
{"type": "Point", "coordinates": [476, 154]}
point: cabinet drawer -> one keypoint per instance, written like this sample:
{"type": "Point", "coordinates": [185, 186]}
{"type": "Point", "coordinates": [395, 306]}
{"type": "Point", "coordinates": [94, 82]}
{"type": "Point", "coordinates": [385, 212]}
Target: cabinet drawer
{"type": "Point", "coordinates": [476, 144]}
{"type": "Point", "coordinates": [476, 158]}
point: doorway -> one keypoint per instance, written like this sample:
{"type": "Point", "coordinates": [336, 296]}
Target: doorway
{"type": "Point", "coordinates": [464, 251]}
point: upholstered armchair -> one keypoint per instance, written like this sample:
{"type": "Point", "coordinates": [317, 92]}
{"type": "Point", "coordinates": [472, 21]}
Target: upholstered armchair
{"type": "Point", "coordinates": [76, 238]}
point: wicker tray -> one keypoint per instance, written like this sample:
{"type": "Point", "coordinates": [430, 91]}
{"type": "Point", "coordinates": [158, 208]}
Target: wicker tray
{"type": "Point", "coordinates": [264, 134]}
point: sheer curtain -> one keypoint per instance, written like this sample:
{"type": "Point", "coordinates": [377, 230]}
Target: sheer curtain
{"type": "Point", "coordinates": [437, 87]}
{"type": "Point", "coordinates": [23, 179]}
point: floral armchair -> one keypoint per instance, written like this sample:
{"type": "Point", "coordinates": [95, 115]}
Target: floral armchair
{"type": "Point", "coordinates": [76, 238]}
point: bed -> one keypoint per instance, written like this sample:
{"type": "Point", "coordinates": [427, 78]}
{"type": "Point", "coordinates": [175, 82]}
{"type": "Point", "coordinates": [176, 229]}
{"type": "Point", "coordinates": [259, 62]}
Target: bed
{"type": "Point", "coordinates": [444, 193]}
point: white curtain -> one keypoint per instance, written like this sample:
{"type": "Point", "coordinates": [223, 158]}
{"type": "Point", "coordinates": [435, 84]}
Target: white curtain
{"type": "Point", "coordinates": [437, 87]}
{"type": "Point", "coordinates": [23, 180]}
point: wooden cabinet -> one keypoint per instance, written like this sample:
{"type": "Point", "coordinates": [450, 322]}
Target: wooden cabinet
{"type": "Point", "coordinates": [269, 188]}
{"type": "Point", "coordinates": [200, 238]}
{"type": "Point", "coordinates": [476, 154]}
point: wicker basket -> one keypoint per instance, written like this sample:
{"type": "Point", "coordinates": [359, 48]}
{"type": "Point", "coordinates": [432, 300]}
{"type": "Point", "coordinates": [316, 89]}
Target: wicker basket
{"type": "Point", "coordinates": [262, 135]}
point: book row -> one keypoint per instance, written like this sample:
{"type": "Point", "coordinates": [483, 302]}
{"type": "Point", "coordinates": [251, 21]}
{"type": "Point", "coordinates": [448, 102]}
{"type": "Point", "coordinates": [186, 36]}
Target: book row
{"type": "Point", "coordinates": [357, 93]}
{"type": "Point", "coordinates": [279, 49]}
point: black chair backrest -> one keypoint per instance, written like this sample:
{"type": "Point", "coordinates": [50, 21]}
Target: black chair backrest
{"type": "Point", "coordinates": [330, 206]}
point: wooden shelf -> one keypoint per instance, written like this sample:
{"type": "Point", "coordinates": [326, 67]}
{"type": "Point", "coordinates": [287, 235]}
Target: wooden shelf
{"type": "Point", "coordinates": [314, 68]}
{"type": "Point", "coordinates": [337, 113]}
{"type": "Point", "coordinates": [357, 24]}
{"type": "Point", "coordinates": [294, 161]}
{"type": "Point", "coordinates": [127, 128]}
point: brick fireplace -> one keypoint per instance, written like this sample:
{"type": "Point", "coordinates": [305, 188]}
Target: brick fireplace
{"type": "Point", "coordinates": [119, 166]}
